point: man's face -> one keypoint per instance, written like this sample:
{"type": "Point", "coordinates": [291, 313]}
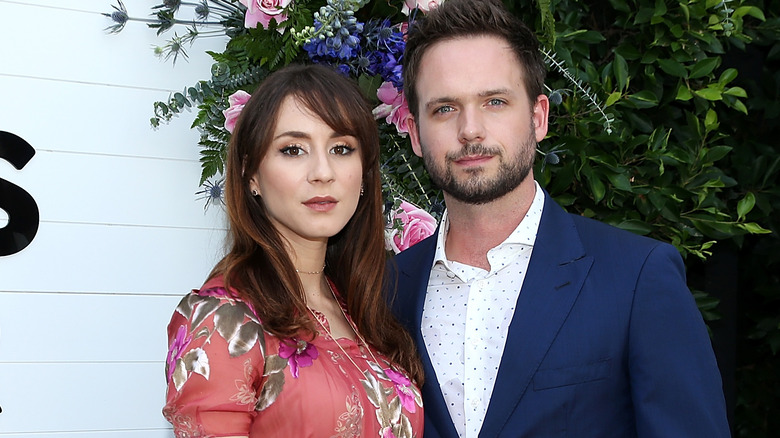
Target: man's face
{"type": "Point", "coordinates": [476, 130]}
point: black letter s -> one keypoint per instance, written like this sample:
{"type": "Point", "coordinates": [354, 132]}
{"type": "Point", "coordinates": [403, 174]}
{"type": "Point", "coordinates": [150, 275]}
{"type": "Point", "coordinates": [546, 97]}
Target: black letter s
{"type": "Point", "coordinates": [22, 210]}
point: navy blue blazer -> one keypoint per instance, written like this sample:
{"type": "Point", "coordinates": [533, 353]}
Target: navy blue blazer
{"type": "Point", "coordinates": [606, 340]}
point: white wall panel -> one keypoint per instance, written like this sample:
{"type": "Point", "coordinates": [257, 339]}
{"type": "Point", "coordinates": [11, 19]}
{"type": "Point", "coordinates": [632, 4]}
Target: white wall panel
{"type": "Point", "coordinates": [95, 328]}
{"type": "Point", "coordinates": [102, 189]}
{"type": "Point", "coordinates": [111, 259]}
{"type": "Point", "coordinates": [68, 43]}
{"type": "Point", "coordinates": [78, 397]}
{"type": "Point", "coordinates": [83, 309]}
{"type": "Point", "coordinates": [89, 118]}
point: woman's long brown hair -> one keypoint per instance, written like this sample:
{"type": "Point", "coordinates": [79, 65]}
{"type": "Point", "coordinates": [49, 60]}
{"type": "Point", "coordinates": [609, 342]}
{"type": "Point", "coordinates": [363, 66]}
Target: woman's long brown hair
{"type": "Point", "coordinates": [258, 266]}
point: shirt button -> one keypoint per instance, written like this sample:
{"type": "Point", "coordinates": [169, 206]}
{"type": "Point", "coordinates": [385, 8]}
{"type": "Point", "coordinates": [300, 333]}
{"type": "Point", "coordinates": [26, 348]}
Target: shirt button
{"type": "Point", "coordinates": [474, 404]}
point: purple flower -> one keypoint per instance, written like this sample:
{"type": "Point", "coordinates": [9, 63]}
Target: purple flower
{"type": "Point", "coordinates": [298, 353]}
{"type": "Point", "coordinates": [403, 388]}
{"type": "Point", "coordinates": [176, 349]}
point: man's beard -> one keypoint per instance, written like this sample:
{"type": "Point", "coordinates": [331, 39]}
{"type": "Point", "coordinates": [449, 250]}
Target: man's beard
{"type": "Point", "coordinates": [476, 188]}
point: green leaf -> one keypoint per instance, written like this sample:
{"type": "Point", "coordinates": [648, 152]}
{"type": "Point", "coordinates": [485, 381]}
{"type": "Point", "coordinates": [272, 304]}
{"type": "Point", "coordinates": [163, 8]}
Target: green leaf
{"type": "Point", "coordinates": [636, 226]}
{"type": "Point", "coordinates": [597, 187]}
{"type": "Point", "coordinates": [716, 153]}
{"type": "Point", "coordinates": [710, 120]}
{"type": "Point", "coordinates": [749, 10]}
{"type": "Point", "coordinates": [620, 181]}
{"type": "Point", "coordinates": [672, 67]}
{"type": "Point", "coordinates": [754, 228]}
{"type": "Point", "coordinates": [728, 75]}
{"type": "Point", "coordinates": [745, 205]}
{"type": "Point", "coordinates": [683, 93]}
{"type": "Point", "coordinates": [620, 67]}
{"type": "Point", "coordinates": [704, 67]}
{"type": "Point", "coordinates": [612, 98]}
{"type": "Point", "coordinates": [644, 15]}
{"type": "Point", "coordinates": [739, 106]}
{"type": "Point", "coordinates": [644, 99]}
{"type": "Point", "coordinates": [735, 91]}
{"type": "Point", "coordinates": [709, 94]}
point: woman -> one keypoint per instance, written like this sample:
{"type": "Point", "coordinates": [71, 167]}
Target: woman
{"type": "Point", "coordinates": [290, 336]}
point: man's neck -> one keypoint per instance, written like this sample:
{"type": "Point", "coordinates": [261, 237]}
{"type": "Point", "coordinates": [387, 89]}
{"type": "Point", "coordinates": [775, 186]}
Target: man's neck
{"type": "Point", "coordinates": [475, 229]}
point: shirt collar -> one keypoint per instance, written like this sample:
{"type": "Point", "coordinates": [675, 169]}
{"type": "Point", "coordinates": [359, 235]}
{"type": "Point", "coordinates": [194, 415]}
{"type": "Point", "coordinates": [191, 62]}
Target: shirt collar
{"type": "Point", "coordinates": [523, 234]}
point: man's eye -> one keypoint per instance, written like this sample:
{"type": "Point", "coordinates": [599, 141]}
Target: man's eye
{"type": "Point", "coordinates": [342, 149]}
{"type": "Point", "coordinates": [444, 109]}
{"type": "Point", "coordinates": [494, 102]}
{"type": "Point", "coordinates": [292, 150]}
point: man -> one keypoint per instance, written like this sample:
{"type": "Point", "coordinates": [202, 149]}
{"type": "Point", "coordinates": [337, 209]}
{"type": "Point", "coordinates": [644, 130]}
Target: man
{"type": "Point", "coordinates": [532, 322]}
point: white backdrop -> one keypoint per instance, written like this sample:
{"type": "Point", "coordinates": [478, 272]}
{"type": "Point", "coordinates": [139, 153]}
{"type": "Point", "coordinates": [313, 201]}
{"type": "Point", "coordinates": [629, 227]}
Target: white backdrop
{"type": "Point", "coordinates": [83, 309]}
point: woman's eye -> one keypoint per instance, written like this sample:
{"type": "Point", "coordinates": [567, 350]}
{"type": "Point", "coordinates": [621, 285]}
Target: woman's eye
{"type": "Point", "coordinates": [342, 149]}
{"type": "Point", "coordinates": [292, 150]}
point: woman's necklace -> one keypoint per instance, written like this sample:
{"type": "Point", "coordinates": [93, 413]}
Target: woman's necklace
{"type": "Point", "coordinates": [351, 325]}
{"type": "Point", "coordinates": [311, 272]}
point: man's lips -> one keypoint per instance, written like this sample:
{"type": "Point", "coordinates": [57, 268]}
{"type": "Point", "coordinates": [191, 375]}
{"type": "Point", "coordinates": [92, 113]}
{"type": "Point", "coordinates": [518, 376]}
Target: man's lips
{"type": "Point", "coordinates": [321, 203]}
{"type": "Point", "coordinates": [473, 160]}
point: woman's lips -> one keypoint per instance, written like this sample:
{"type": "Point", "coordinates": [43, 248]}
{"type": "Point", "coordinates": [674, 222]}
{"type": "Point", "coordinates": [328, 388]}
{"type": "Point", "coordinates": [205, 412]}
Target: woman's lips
{"type": "Point", "coordinates": [321, 203]}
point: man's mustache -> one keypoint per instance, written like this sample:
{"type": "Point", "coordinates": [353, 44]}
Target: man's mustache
{"type": "Point", "coordinates": [471, 149]}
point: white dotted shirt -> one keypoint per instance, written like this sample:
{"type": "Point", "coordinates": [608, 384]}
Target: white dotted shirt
{"type": "Point", "coordinates": [466, 318]}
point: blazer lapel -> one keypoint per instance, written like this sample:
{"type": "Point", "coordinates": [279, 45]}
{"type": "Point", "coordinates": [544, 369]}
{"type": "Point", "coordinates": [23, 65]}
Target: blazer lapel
{"type": "Point", "coordinates": [414, 272]}
{"type": "Point", "coordinates": [556, 272]}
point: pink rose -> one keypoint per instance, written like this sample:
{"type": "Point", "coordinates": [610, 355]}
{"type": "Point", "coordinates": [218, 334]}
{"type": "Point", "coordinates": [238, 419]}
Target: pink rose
{"type": "Point", "coordinates": [394, 107]}
{"type": "Point", "coordinates": [423, 5]}
{"type": "Point", "coordinates": [237, 101]}
{"type": "Point", "coordinates": [417, 225]}
{"type": "Point", "coordinates": [261, 11]}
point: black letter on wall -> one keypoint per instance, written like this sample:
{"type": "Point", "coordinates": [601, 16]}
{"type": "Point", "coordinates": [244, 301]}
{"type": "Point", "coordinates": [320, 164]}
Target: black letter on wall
{"type": "Point", "coordinates": [22, 210]}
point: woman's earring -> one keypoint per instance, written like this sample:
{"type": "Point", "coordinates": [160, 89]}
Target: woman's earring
{"type": "Point", "coordinates": [361, 189]}
{"type": "Point", "coordinates": [254, 192]}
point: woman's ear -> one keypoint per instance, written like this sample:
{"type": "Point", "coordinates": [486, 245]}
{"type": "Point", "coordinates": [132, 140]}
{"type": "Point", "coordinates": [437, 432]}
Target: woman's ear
{"type": "Point", "coordinates": [254, 187]}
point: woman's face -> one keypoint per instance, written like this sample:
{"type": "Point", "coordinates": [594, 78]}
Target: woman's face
{"type": "Point", "coordinates": [310, 176]}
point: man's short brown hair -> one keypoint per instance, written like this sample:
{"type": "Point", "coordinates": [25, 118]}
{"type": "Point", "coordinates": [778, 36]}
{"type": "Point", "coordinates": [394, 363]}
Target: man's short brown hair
{"type": "Point", "coordinates": [468, 18]}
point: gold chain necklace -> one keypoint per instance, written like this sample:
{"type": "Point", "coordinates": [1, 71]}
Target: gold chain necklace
{"type": "Point", "coordinates": [351, 325]}
{"type": "Point", "coordinates": [311, 272]}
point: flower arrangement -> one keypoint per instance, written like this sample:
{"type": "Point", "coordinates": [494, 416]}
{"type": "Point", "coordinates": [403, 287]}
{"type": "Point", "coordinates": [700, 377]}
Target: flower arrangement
{"type": "Point", "coordinates": [364, 39]}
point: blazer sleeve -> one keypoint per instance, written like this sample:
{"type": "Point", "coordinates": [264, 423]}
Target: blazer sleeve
{"type": "Point", "coordinates": [675, 383]}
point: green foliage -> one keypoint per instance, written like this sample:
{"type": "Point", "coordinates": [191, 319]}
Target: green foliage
{"type": "Point", "coordinates": [656, 128]}
{"type": "Point", "coordinates": [637, 130]}
{"type": "Point", "coordinates": [755, 163]}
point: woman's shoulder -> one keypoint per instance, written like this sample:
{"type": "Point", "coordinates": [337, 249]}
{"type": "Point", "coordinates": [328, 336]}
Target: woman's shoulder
{"type": "Point", "coordinates": [214, 297]}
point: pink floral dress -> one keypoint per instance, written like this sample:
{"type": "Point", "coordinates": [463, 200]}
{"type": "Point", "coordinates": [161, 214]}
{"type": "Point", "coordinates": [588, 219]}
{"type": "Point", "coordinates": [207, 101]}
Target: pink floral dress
{"type": "Point", "coordinates": [227, 376]}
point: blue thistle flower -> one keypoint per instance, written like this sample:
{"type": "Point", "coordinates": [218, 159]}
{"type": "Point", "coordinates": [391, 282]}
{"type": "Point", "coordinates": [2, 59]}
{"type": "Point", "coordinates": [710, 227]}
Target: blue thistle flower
{"type": "Point", "coordinates": [212, 192]}
{"type": "Point", "coordinates": [119, 16]}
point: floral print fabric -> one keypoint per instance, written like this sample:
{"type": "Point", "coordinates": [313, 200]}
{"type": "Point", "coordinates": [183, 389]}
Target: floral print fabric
{"type": "Point", "coordinates": [227, 376]}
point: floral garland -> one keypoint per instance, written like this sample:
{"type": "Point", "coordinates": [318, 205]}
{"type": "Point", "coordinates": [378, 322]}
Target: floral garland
{"type": "Point", "coordinates": [267, 34]}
